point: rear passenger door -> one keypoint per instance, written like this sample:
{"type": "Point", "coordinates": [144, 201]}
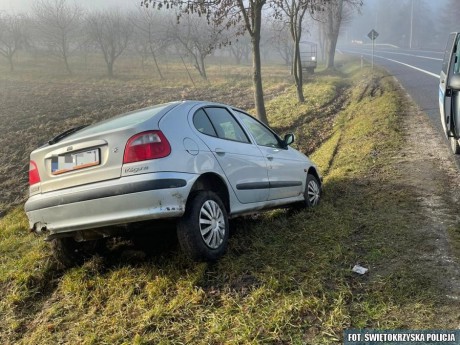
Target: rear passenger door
{"type": "Point", "coordinates": [242, 162]}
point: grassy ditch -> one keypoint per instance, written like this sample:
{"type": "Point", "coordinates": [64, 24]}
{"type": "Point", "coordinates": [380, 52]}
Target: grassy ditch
{"type": "Point", "coordinates": [287, 277]}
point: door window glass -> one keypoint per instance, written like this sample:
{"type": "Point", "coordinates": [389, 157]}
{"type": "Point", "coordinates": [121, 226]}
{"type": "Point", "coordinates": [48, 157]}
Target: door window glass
{"type": "Point", "coordinates": [225, 125]}
{"type": "Point", "coordinates": [202, 123]}
{"type": "Point", "coordinates": [262, 135]}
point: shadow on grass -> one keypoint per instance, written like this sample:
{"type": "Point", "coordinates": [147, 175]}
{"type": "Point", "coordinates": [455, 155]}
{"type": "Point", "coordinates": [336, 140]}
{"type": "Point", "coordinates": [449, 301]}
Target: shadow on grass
{"type": "Point", "coordinates": [366, 222]}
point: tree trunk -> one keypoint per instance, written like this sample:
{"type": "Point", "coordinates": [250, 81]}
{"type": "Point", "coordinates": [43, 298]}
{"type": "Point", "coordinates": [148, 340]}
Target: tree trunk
{"type": "Point", "coordinates": [331, 53]}
{"type": "Point", "coordinates": [10, 60]}
{"type": "Point", "coordinates": [298, 71]}
{"type": "Point", "coordinates": [156, 63]}
{"type": "Point", "coordinates": [321, 41]}
{"type": "Point", "coordinates": [203, 68]}
{"type": "Point", "coordinates": [110, 69]}
{"type": "Point", "coordinates": [188, 73]}
{"type": "Point", "coordinates": [67, 67]}
{"type": "Point", "coordinates": [335, 20]}
{"type": "Point", "coordinates": [257, 69]}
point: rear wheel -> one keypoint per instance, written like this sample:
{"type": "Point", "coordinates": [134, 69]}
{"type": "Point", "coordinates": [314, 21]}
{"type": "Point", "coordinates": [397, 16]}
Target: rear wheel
{"type": "Point", "coordinates": [454, 145]}
{"type": "Point", "coordinates": [203, 230]}
{"type": "Point", "coordinates": [70, 253]}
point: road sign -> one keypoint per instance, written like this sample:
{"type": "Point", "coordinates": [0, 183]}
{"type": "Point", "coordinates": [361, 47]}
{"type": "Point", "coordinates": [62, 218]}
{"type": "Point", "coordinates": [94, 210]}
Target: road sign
{"type": "Point", "coordinates": [373, 34]}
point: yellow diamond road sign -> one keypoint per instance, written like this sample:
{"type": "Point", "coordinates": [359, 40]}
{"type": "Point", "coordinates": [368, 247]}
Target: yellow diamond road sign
{"type": "Point", "coordinates": [373, 34]}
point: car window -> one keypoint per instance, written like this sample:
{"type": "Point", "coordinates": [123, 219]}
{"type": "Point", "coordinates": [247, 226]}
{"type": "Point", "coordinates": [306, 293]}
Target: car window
{"type": "Point", "coordinates": [129, 119]}
{"type": "Point", "coordinates": [225, 125]}
{"type": "Point", "coordinates": [262, 135]}
{"type": "Point", "coordinates": [202, 123]}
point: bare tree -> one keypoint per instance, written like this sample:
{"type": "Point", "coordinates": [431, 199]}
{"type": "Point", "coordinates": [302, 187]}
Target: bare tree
{"type": "Point", "coordinates": [197, 39]}
{"type": "Point", "coordinates": [337, 12]}
{"type": "Point", "coordinates": [280, 38]}
{"type": "Point", "coordinates": [239, 46]}
{"type": "Point", "coordinates": [142, 49]}
{"type": "Point", "coordinates": [11, 36]}
{"type": "Point", "coordinates": [111, 32]}
{"type": "Point", "coordinates": [232, 12]}
{"type": "Point", "coordinates": [294, 12]}
{"type": "Point", "coordinates": [59, 24]}
{"type": "Point", "coordinates": [151, 33]}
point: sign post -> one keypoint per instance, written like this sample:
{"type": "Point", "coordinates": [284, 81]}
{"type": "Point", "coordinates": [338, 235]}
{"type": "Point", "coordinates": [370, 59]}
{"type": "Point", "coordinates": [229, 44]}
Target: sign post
{"type": "Point", "coordinates": [373, 35]}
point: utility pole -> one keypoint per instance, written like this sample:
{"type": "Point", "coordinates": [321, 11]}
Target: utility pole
{"type": "Point", "coordinates": [411, 22]}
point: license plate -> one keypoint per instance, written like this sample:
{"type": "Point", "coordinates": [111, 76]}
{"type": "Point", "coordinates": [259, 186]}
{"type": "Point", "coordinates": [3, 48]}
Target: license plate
{"type": "Point", "coordinates": [75, 161]}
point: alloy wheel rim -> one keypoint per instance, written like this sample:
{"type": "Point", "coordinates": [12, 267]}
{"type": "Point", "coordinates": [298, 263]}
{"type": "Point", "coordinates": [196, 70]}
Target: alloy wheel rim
{"type": "Point", "coordinates": [212, 224]}
{"type": "Point", "coordinates": [313, 193]}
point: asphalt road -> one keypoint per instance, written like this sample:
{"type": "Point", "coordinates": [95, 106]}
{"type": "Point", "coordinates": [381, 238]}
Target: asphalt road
{"type": "Point", "coordinates": [417, 71]}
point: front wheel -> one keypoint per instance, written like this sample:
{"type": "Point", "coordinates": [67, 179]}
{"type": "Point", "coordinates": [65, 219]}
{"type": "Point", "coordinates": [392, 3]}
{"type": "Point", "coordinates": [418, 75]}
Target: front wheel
{"type": "Point", "coordinates": [312, 192]}
{"type": "Point", "coordinates": [203, 230]}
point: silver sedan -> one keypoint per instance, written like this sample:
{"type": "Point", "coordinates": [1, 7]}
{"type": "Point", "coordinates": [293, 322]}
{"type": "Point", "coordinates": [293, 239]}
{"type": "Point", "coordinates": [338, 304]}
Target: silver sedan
{"type": "Point", "coordinates": [198, 162]}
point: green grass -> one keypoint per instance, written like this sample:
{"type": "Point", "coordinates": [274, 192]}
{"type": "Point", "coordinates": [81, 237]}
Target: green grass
{"type": "Point", "coordinates": [287, 277]}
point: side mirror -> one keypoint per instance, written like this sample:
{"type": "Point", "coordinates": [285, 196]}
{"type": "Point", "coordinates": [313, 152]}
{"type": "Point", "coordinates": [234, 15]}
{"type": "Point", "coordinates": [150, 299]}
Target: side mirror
{"type": "Point", "coordinates": [289, 139]}
{"type": "Point", "coordinates": [454, 82]}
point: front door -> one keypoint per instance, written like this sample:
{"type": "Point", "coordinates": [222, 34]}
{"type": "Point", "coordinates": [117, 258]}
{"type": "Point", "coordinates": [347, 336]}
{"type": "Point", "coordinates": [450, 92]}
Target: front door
{"type": "Point", "coordinates": [285, 165]}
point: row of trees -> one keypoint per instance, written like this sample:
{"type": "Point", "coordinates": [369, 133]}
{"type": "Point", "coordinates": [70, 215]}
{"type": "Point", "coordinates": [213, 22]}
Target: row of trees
{"type": "Point", "coordinates": [192, 30]}
{"type": "Point", "coordinates": [248, 15]}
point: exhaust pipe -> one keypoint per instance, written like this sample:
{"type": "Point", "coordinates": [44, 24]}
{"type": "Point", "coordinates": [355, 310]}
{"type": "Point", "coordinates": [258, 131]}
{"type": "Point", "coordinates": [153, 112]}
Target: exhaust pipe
{"type": "Point", "coordinates": [39, 228]}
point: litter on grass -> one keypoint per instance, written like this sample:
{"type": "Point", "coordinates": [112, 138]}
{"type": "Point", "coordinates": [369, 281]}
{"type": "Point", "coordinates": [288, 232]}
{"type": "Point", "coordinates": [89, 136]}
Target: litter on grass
{"type": "Point", "coordinates": [359, 269]}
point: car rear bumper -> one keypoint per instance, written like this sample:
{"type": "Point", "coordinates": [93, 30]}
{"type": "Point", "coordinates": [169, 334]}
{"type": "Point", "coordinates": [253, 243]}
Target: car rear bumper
{"type": "Point", "coordinates": [119, 201]}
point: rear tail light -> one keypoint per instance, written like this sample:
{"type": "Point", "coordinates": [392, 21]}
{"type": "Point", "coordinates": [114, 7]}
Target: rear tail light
{"type": "Point", "coordinates": [34, 176]}
{"type": "Point", "coordinates": [145, 146]}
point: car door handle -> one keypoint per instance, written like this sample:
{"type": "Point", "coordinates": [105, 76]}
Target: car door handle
{"type": "Point", "coordinates": [220, 152]}
{"type": "Point", "coordinates": [443, 81]}
{"type": "Point", "coordinates": [270, 157]}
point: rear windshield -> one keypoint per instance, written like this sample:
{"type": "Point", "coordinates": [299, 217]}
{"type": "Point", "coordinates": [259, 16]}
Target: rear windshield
{"type": "Point", "coordinates": [123, 120]}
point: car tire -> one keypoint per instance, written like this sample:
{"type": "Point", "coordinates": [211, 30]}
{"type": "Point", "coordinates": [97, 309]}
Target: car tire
{"type": "Point", "coordinates": [203, 230]}
{"type": "Point", "coordinates": [312, 191]}
{"type": "Point", "coordinates": [70, 253]}
{"type": "Point", "coordinates": [454, 145]}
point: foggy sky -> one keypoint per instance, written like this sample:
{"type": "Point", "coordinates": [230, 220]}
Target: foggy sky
{"type": "Point", "coordinates": [25, 5]}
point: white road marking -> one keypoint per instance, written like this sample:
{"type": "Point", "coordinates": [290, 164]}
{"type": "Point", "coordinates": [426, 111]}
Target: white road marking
{"type": "Point", "coordinates": [416, 68]}
{"type": "Point", "coordinates": [420, 56]}
{"type": "Point", "coordinates": [402, 63]}
{"type": "Point", "coordinates": [413, 55]}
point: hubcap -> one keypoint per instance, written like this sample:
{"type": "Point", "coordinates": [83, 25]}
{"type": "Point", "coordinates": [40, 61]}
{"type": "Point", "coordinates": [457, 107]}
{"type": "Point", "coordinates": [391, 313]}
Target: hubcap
{"type": "Point", "coordinates": [313, 193]}
{"type": "Point", "coordinates": [212, 224]}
